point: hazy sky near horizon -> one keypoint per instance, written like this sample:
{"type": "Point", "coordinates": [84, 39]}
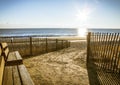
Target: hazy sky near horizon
{"type": "Point", "coordinates": [60, 13]}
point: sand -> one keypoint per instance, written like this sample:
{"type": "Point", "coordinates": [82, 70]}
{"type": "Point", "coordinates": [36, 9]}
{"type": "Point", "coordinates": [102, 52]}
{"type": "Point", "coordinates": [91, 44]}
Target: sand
{"type": "Point", "coordinates": [63, 67]}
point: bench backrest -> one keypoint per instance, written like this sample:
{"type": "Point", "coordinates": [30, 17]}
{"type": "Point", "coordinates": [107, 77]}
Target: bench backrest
{"type": "Point", "coordinates": [5, 50]}
{"type": "Point", "coordinates": [2, 64]}
{"type": "Point", "coordinates": [0, 50]}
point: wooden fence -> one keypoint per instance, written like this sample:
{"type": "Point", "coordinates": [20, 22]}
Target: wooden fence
{"type": "Point", "coordinates": [103, 49]}
{"type": "Point", "coordinates": [30, 45]}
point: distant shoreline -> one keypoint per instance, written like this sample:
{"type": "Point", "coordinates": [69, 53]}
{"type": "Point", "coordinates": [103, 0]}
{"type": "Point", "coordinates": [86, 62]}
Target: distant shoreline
{"type": "Point", "coordinates": [39, 32]}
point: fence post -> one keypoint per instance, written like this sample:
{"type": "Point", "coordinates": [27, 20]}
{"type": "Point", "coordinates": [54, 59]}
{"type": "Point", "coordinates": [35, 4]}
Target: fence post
{"type": "Point", "coordinates": [56, 44]}
{"type": "Point", "coordinates": [88, 45]}
{"type": "Point", "coordinates": [118, 62]}
{"type": "Point", "coordinates": [12, 44]}
{"type": "Point", "coordinates": [65, 43]}
{"type": "Point", "coordinates": [46, 45]}
{"type": "Point", "coordinates": [69, 43]}
{"type": "Point", "coordinates": [62, 44]}
{"type": "Point", "coordinates": [30, 45]}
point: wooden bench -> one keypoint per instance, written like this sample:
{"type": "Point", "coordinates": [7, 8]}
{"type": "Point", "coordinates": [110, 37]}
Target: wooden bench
{"type": "Point", "coordinates": [16, 75]}
{"type": "Point", "coordinates": [2, 63]}
{"type": "Point", "coordinates": [11, 58]}
{"type": "Point", "coordinates": [12, 72]}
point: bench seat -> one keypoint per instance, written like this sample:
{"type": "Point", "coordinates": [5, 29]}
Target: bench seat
{"type": "Point", "coordinates": [14, 58]}
{"type": "Point", "coordinates": [12, 70]}
{"type": "Point", "coordinates": [16, 75]}
{"type": "Point", "coordinates": [11, 58]}
{"type": "Point", "coordinates": [2, 64]}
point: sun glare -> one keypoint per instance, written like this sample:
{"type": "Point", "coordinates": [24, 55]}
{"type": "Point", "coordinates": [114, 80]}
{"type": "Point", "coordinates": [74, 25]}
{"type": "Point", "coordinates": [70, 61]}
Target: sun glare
{"type": "Point", "coordinates": [83, 14]}
{"type": "Point", "coordinates": [82, 32]}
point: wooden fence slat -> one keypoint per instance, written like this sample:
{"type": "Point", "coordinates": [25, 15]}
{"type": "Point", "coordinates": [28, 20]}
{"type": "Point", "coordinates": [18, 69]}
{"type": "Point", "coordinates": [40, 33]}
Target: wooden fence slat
{"type": "Point", "coordinates": [107, 50]}
{"type": "Point", "coordinates": [97, 41]}
{"type": "Point", "coordinates": [46, 45]}
{"type": "Point", "coordinates": [88, 46]}
{"type": "Point", "coordinates": [31, 45]}
{"type": "Point", "coordinates": [95, 44]}
{"type": "Point", "coordinates": [98, 48]}
{"type": "Point", "coordinates": [115, 53]}
{"type": "Point", "coordinates": [112, 48]}
{"type": "Point", "coordinates": [118, 61]}
{"type": "Point", "coordinates": [99, 52]}
{"type": "Point", "coordinates": [104, 49]}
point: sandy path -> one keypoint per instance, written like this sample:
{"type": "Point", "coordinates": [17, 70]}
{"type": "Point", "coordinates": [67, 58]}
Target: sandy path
{"type": "Point", "coordinates": [63, 67]}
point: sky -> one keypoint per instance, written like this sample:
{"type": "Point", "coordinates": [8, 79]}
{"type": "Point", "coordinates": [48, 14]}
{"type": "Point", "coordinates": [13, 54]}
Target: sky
{"type": "Point", "coordinates": [60, 13]}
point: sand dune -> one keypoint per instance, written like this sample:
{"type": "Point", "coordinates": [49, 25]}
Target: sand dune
{"type": "Point", "coordinates": [63, 67]}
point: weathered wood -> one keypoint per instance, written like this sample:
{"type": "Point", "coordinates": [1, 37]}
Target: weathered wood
{"type": "Point", "coordinates": [33, 43]}
{"type": "Point", "coordinates": [66, 44]}
{"type": "Point", "coordinates": [110, 50]}
{"type": "Point", "coordinates": [100, 48]}
{"type": "Point", "coordinates": [105, 48]}
{"type": "Point", "coordinates": [18, 56]}
{"type": "Point", "coordinates": [25, 77]}
{"type": "Point", "coordinates": [6, 53]}
{"type": "Point", "coordinates": [16, 76]}
{"type": "Point", "coordinates": [56, 44]}
{"type": "Point", "coordinates": [30, 45]}
{"type": "Point", "coordinates": [46, 45]}
{"type": "Point", "coordinates": [62, 44]}
{"type": "Point", "coordinates": [0, 50]}
{"type": "Point", "coordinates": [69, 43]}
{"type": "Point", "coordinates": [4, 45]}
{"type": "Point", "coordinates": [11, 57]}
{"type": "Point", "coordinates": [2, 63]}
{"type": "Point", "coordinates": [118, 61]}
{"type": "Point", "coordinates": [116, 53]}
{"type": "Point", "coordinates": [10, 71]}
{"type": "Point", "coordinates": [97, 47]}
{"type": "Point", "coordinates": [5, 50]}
{"type": "Point", "coordinates": [8, 77]}
{"type": "Point", "coordinates": [106, 51]}
{"type": "Point", "coordinates": [14, 58]}
{"type": "Point", "coordinates": [88, 46]}
{"type": "Point", "coordinates": [91, 45]}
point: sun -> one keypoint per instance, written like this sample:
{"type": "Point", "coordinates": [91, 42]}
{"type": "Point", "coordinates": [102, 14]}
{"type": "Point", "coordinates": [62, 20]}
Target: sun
{"type": "Point", "coordinates": [82, 32]}
{"type": "Point", "coordinates": [83, 14]}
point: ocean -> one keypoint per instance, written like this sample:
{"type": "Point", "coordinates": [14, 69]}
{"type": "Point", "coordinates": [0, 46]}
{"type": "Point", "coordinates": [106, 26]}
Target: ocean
{"type": "Point", "coordinates": [104, 30]}
{"type": "Point", "coordinates": [50, 32]}
{"type": "Point", "coordinates": [42, 32]}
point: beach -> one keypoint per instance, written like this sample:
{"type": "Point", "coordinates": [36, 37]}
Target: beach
{"type": "Point", "coordinates": [62, 67]}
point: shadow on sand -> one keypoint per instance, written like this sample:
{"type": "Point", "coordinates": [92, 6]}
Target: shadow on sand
{"type": "Point", "coordinates": [98, 76]}
{"type": "Point", "coordinates": [92, 73]}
